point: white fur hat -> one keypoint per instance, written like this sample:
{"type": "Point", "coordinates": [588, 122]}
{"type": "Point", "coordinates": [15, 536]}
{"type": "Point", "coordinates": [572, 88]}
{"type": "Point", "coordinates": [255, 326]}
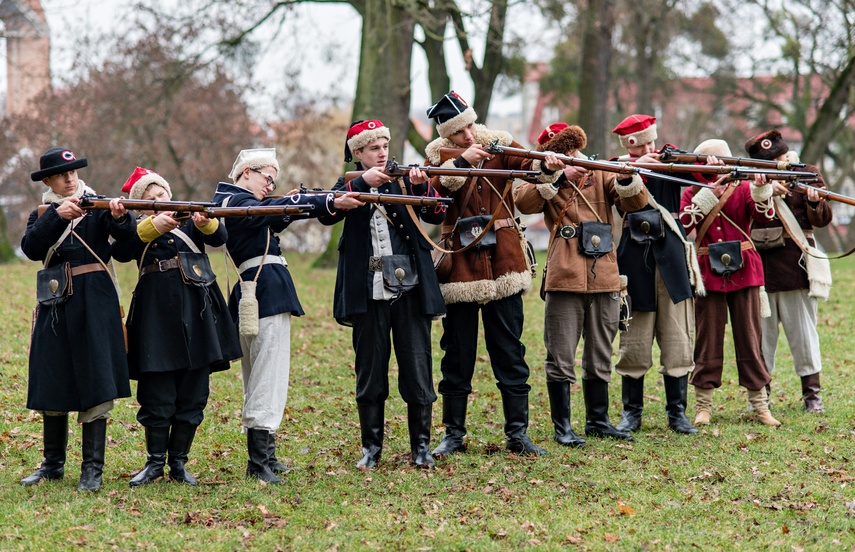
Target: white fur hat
{"type": "Point", "coordinates": [254, 159]}
{"type": "Point", "coordinates": [714, 146]}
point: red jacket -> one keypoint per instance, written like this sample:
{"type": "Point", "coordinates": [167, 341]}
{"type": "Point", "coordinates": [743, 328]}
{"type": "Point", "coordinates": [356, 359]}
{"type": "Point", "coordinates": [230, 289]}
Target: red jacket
{"type": "Point", "coordinates": [747, 203]}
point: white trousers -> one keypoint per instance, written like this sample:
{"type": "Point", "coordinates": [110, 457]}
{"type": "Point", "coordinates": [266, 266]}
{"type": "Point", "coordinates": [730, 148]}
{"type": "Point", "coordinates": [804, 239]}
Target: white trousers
{"type": "Point", "coordinates": [266, 368]}
{"type": "Point", "coordinates": [796, 312]}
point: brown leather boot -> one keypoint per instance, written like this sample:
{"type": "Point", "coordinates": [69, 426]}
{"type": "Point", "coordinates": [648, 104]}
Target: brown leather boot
{"type": "Point", "coordinates": [810, 394]}
{"type": "Point", "coordinates": [758, 401]}
{"type": "Point", "coordinates": [703, 406]}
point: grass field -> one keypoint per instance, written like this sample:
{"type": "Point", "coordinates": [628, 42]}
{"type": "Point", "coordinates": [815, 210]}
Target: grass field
{"type": "Point", "coordinates": [737, 485]}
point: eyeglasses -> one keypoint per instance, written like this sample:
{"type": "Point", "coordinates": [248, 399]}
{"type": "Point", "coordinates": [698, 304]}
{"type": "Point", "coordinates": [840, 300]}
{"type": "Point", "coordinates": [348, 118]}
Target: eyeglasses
{"type": "Point", "coordinates": [267, 177]}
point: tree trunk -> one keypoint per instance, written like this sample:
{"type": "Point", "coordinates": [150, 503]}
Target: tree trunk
{"type": "Point", "coordinates": [7, 252]}
{"type": "Point", "coordinates": [599, 22]}
{"type": "Point", "coordinates": [383, 82]}
{"type": "Point", "coordinates": [822, 130]}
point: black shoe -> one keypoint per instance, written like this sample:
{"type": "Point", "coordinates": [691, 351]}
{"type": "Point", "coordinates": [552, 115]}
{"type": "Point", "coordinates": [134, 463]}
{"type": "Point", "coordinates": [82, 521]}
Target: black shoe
{"type": "Point", "coordinates": [810, 394]}
{"type": "Point", "coordinates": [94, 443]}
{"type": "Point", "coordinates": [273, 463]}
{"type": "Point", "coordinates": [55, 430]}
{"type": "Point", "coordinates": [371, 420]}
{"type": "Point", "coordinates": [257, 444]}
{"type": "Point", "coordinates": [632, 393]}
{"type": "Point", "coordinates": [675, 405]}
{"type": "Point", "coordinates": [516, 424]}
{"type": "Point", "coordinates": [454, 420]}
{"type": "Point", "coordinates": [180, 440]}
{"type": "Point", "coordinates": [419, 418]}
{"type": "Point", "coordinates": [597, 423]}
{"type": "Point", "coordinates": [156, 441]}
{"type": "Point", "coordinates": [559, 402]}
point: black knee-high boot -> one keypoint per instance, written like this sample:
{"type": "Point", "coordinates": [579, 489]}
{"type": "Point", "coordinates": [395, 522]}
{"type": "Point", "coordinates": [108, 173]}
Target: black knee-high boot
{"type": "Point", "coordinates": [675, 404]}
{"type": "Point", "coordinates": [94, 443]}
{"type": "Point", "coordinates": [454, 420]}
{"type": "Point", "coordinates": [180, 440]}
{"type": "Point", "coordinates": [516, 424]}
{"type": "Point", "coordinates": [156, 440]}
{"type": "Point", "coordinates": [55, 442]}
{"type": "Point", "coordinates": [632, 394]}
{"type": "Point", "coordinates": [596, 393]}
{"type": "Point", "coordinates": [257, 445]}
{"type": "Point", "coordinates": [559, 402]}
{"type": "Point", "coordinates": [418, 422]}
{"type": "Point", "coordinates": [371, 420]}
{"type": "Point", "coordinates": [275, 465]}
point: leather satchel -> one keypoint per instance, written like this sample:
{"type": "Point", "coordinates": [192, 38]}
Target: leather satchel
{"type": "Point", "coordinates": [768, 238]}
{"type": "Point", "coordinates": [195, 269]}
{"type": "Point", "coordinates": [472, 227]}
{"type": "Point", "coordinates": [399, 273]}
{"type": "Point", "coordinates": [646, 226]}
{"type": "Point", "coordinates": [595, 238]}
{"type": "Point", "coordinates": [53, 284]}
{"type": "Point", "coordinates": [725, 257]}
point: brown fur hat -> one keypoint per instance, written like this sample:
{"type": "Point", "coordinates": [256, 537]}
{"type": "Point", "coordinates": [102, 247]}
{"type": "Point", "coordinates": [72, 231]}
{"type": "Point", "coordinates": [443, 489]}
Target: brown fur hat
{"type": "Point", "coordinates": [768, 145]}
{"type": "Point", "coordinates": [568, 140]}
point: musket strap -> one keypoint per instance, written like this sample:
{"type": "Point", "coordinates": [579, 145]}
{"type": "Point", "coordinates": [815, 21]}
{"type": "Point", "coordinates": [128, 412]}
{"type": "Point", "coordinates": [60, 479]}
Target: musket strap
{"type": "Point", "coordinates": [710, 217]}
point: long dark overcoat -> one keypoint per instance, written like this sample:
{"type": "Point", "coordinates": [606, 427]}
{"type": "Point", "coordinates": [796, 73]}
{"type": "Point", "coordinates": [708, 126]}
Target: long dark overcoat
{"type": "Point", "coordinates": [173, 325]}
{"type": "Point", "coordinates": [77, 351]}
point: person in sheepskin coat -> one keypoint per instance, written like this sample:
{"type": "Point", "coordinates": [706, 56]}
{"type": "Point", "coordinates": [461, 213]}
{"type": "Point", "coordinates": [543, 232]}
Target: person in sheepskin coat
{"type": "Point", "coordinates": [489, 279]}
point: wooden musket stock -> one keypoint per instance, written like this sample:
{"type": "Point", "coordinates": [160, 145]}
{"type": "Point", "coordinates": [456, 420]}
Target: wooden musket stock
{"type": "Point", "coordinates": [679, 156]}
{"type": "Point", "coordinates": [394, 169]}
{"type": "Point", "coordinates": [388, 199]}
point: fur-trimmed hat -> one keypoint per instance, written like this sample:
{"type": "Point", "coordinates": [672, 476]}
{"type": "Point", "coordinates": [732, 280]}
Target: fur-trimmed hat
{"type": "Point", "coordinates": [714, 146]}
{"type": "Point", "coordinates": [254, 159]}
{"type": "Point", "coordinates": [451, 113]}
{"type": "Point", "coordinates": [768, 145]}
{"type": "Point", "coordinates": [569, 138]}
{"type": "Point", "coordinates": [57, 161]}
{"type": "Point", "coordinates": [362, 133]}
{"type": "Point", "coordinates": [636, 130]}
{"type": "Point", "coordinates": [140, 180]}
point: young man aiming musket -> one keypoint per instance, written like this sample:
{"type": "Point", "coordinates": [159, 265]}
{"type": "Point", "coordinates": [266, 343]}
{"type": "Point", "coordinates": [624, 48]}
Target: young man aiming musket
{"type": "Point", "coordinates": [487, 278]}
{"type": "Point", "coordinates": [385, 285]}
{"type": "Point", "coordinates": [264, 300]}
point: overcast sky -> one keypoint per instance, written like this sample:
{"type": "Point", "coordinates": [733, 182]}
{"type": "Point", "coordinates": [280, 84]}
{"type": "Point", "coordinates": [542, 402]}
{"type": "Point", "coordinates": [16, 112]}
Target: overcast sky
{"type": "Point", "coordinates": [326, 31]}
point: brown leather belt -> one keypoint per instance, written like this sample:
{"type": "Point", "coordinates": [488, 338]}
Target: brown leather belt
{"type": "Point", "coordinates": [86, 269]}
{"type": "Point", "coordinates": [744, 246]}
{"type": "Point", "coordinates": [503, 223]}
{"type": "Point", "coordinates": [160, 266]}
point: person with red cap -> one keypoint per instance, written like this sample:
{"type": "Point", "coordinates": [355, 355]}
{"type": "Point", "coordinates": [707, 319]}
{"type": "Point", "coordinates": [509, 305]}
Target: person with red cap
{"type": "Point", "coordinates": [179, 328]}
{"type": "Point", "coordinates": [77, 351]}
{"type": "Point", "coordinates": [797, 274]}
{"type": "Point", "coordinates": [488, 277]}
{"type": "Point", "coordinates": [264, 300]}
{"type": "Point", "coordinates": [733, 277]}
{"type": "Point", "coordinates": [386, 284]}
{"type": "Point", "coordinates": [581, 284]}
{"type": "Point", "coordinates": [663, 277]}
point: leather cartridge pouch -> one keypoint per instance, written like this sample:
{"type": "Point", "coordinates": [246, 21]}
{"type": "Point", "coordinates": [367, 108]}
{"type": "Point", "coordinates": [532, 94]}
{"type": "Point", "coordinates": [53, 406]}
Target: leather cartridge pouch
{"type": "Point", "coordinates": [646, 226]}
{"type": "Point", "coordinates": [53, 284]}
{"type": "Point", "coordinates": [767, 238]}
{"type": "Point", "coordinates": [725, 257]}
{"type": "Point", "coordinates": [195, 269]}
{"type": "Point", "coordinates": [399, 273]}
{"type": "Point", "coordinates": [595, 238]}
{"type": "Point", "coordinates": [472, 227]}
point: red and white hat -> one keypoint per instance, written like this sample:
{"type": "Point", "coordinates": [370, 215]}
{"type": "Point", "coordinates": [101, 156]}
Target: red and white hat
{"type": "Point", "coordinates": [140, 180]}
{"type": "Point", "coordinates": [253, 159]}
{"type": "Point", "coordinates": [636, 130]}
{"type": "Point", "coordinates": [362, 133]}
{"type": "Point", "coordinates": [550, 132]}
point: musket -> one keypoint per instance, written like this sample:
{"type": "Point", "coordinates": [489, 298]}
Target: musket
{"type": "Point", "coordinates": [735, 172]}
{"type": "Point", "coordinates": [386, 199]}
{"type": "Point", "coordinates": [253, 211]}
{"type": "Point", "coordinates": [89, 201]}
{"type": "Point", "coordinates": [608, 166]}
{"type": "Point", "coordinates": [675, 155]}
{"type": "Point", "coordinates": [802, 188]}
{"type": "Point", "coordinates": [394, 169]}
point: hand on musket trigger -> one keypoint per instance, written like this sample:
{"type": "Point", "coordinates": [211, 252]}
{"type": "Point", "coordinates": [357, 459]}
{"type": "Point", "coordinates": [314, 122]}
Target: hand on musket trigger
{"type": "Point", "coordinates": [418, 176]}
{"type": "Point", "coordinates": [575, 173]}
{"type": "Point", "coordinates": [117, 209]}
{"type": "Point", "coordinates": [164, 223]}
{"type": "Point", "coordinates": [69, 210]}
{"type": "Point", "coordinates": [348, 201]}
{"type": "Point", "coordinates": [376, 176]}
{"type": "Point", "coordinates": [475, 154]}
{"type": "Point", "coordinates": [648, 158]}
